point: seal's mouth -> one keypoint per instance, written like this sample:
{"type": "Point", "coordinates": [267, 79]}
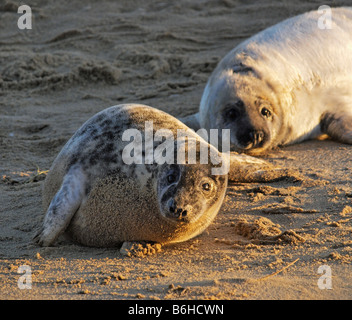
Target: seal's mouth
{"type": "Point", "coordinates": [176, 212]}
{"type": "Point", "coordinates": [252, 142]}
{"type": "Point", "coordinates": [251, 139]}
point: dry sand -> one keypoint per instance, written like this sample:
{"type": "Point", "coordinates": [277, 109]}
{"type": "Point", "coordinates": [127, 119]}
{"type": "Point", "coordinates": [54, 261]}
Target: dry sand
{"type": "Point", "coordinates": [81, 58]}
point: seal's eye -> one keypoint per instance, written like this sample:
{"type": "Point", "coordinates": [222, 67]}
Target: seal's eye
{"type": "Point", "coordinates": [234, 110]}
{"type": "Point", "coordinates": [171, 178]}
{"type": "Point", "coordinates": [232, 114]}
{"type": "Point", "coordinates": [172, 174]}
{"type": "Point", "coordinates": [266, 112]}
{"type": "Point", "coordinates": [206, 186]}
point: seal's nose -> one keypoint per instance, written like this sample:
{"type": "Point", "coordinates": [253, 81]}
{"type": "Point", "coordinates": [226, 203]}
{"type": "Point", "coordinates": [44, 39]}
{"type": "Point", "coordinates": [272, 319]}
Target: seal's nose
{"type": "Point", "coordinates": [251, 139]}
{"type": "Point", "coordinates": [175, 211]}
{"type": "Point", "coordinates": [256, 137]}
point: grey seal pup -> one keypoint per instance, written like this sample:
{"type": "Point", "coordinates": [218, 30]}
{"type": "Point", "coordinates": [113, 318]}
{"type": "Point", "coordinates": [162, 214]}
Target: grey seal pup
{"type": "Point", "coordinates": [106, 187]}
{"type": "Point", "coordinates": [289, 83]}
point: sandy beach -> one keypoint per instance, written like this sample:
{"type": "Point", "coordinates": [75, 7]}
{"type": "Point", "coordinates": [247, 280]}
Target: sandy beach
{"type": "Point", "coordinates": [270, 240]}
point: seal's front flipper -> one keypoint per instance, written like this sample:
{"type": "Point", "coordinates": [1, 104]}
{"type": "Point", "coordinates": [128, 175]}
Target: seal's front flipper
{"type": "Point", "coordinates": [191, 121]}
{"type": "Point", "coordinates": [244, 168]}
{"type": "Point", "coordinates": [62, 207]}
{"type": "Point", "coordinates": [338, 126]}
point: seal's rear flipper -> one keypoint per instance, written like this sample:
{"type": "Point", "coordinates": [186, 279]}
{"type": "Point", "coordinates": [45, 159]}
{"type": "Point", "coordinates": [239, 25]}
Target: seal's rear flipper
{"type": "Point", "coordinates": [62, 208]}
{"type": "Point", "coordinates": [191, 121]}
{"type": "Point", "coordinates": [338, 126]}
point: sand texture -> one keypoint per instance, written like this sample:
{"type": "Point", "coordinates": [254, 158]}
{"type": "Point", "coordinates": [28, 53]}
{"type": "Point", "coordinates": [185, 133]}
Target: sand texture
{"type": "Point", "coordinates": [269, 239]}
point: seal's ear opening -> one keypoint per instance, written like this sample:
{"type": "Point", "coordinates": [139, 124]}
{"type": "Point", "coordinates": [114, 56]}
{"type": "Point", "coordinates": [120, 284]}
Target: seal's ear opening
{"type": "Point", "coordinates": [241, 68]}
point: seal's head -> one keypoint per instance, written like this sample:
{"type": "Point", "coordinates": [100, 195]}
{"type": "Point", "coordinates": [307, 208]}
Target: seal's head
{"type": "Point", "coordinates": [252, 124]}
{"type": "Point", "coordinates": [189, 193]}
{"type": "Point", "coordinates": [245, 105]}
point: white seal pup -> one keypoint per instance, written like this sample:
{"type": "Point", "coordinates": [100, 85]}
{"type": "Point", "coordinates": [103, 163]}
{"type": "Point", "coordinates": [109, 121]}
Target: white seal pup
{"type": "Point", "coordinates": [103, 190]}
{"type": "Point", "coordinates": [289, 83]}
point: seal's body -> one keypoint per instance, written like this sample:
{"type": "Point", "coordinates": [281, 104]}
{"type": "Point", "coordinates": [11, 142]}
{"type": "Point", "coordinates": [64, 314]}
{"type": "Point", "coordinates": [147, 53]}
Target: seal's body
{"type": "Point", "coordinates": [100, 200]}
{"type": "Point", "coordinates": [286, 84]}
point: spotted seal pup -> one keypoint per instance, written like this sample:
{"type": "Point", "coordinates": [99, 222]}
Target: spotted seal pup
{"type": "Point", "coordinates": [99, 197]}
{"type": "Point", "coordinates": [288, 83]}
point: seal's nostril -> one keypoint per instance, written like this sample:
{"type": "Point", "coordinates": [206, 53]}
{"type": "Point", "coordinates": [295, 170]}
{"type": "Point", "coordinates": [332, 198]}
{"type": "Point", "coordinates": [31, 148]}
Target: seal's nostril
{"type": "Point", "coordinates": [174, 210]}
{"type": "Point", "coordinates": [177, 213]}
{"type": "Point", "coordinates": [256, 137]}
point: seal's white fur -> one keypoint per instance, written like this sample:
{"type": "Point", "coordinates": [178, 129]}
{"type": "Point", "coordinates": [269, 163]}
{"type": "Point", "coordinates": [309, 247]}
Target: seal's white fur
{"type": "Point", "coordinates": [304, 72]}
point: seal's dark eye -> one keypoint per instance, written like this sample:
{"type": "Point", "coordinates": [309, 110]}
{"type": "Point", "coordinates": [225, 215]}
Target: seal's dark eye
{"type": "Point", "coordinates": [234, 110]}
{"type": "Point", "coordinates": [172, 174]}
{"type": "Point", "coordinates": [206, 186]}
{"type": "Point", "coordinates": [266, 112]}
{"type": "Point", "coordinates": [171, 178]}
{"type": "Point", "coordinates": [232, 114]}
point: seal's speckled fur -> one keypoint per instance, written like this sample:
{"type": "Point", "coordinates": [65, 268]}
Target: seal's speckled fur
{"type": "Point", "coordinates": [100, 201]}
